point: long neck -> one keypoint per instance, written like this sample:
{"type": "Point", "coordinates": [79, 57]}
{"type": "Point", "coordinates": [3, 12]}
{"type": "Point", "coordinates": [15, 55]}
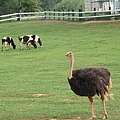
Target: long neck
{"type": "Point", "coordinates": [71, 67]}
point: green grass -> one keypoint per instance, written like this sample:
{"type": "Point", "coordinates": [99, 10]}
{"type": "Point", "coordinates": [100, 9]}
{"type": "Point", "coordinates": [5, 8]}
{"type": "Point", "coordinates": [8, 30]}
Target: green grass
{"type": "Point", "coordinates": [45, 70]}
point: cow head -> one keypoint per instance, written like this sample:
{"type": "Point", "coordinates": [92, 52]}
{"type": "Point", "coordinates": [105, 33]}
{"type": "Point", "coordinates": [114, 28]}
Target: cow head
{"type": "Point", "coordinates": [20, 38]}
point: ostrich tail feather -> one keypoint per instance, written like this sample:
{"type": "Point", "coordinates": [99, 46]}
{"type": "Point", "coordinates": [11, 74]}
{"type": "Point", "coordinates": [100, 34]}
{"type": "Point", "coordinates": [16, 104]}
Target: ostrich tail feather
{"type": "Point", "coordinates": [110, 96]}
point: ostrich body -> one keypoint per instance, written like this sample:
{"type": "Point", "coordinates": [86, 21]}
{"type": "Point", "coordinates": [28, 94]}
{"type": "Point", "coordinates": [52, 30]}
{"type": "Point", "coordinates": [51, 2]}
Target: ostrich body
{"type": "Point", "coordinates": [89, 82]}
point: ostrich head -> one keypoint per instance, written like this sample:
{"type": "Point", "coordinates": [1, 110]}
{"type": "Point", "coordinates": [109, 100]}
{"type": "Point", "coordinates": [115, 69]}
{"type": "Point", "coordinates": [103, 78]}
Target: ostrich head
{"type": "Point", "coordinates": [69, 54]}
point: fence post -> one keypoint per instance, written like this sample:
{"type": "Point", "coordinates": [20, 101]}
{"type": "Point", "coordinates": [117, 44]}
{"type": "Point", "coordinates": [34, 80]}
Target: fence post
{"type": "Point", "coordinates": [49, 14]}
{"type": "Point", "coordinates": [45, 13]}
{"type": "Point", "coordinates": [110, 9]}
{"type": "Point", "coordinates": [19, 17]}
{"type": "Point", "coordinates": [0, 17]}
{"type": "Point", "coordinates": [54, 14]}
{"type": "Point", "coordinates": [94, 10]}
{"type": "Point", "coordinates": [58, 15]}
{"type": "Point", "coordinates": [73, 15]}
{"type": "Point", "coordinates": [94, 13]}
{"type": "Point", "coordinates": [10, 17]}
{"type": "Point", "coordinates": [68, 14]}
{"type": "Point", "coordinates": [63, 14]}
{"type": "Point", "coordinates": [80, 14]}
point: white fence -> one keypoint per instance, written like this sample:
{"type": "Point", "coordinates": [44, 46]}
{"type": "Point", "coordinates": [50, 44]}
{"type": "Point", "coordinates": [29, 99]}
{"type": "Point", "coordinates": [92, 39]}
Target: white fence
{"type": "Point", "coordinates": [21, 16]}
{"type": "Point", "coordinates": [60, 15]}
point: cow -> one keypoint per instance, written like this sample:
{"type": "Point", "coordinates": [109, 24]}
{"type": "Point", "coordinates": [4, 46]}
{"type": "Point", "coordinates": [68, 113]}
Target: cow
{"type": "Point", "coordinates": [28, 40]}
{"type": "Point", "coordinates": [7, 42]}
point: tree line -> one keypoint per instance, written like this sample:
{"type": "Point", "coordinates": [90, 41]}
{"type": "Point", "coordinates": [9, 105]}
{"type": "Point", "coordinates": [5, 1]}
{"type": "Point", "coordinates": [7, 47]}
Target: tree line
{"type": "Point", "coordinates": [13, 6]}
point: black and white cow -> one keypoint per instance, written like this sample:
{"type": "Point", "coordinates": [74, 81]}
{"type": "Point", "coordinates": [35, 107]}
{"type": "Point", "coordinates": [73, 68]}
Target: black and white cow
{"type": "Point", "coordinates": [7, 42]}
{"type": "Point", "coordinates": [28, 40]}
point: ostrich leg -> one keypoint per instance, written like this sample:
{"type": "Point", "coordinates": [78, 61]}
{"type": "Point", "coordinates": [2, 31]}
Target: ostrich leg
{"type": "Point", "coordinates": [104, 108]}
{"type": "Point", "coordinates": [92, 106]}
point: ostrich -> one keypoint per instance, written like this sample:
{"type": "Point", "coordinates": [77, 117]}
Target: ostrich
{"type": "Point", "coordinates": [89, 82]}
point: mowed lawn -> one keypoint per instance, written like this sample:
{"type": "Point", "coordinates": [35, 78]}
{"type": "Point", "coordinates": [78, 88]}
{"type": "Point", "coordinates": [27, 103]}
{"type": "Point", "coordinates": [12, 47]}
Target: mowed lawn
{"type": "Point", "coordinates": [33, 83]}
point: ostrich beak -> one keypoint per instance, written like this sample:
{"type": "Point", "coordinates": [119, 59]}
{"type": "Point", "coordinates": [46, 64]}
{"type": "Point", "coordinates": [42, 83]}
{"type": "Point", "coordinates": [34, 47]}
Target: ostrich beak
{"type": "Point", "coordinates": [66, 54]}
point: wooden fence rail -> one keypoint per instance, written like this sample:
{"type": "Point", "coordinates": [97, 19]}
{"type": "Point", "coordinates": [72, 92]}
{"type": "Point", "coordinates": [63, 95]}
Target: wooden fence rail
{"type": "Point", "coordinates": [64, 15]}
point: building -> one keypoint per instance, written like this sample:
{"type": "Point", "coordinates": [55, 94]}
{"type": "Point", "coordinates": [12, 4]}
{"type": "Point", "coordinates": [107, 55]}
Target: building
{"type": "Point", "coordinates": [102, 5]}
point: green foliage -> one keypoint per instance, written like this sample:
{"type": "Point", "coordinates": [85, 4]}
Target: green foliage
{"type": "Point", "coordinates": [48, 4]}
{"type": "Point", "coordinates": [44, 70]}
{"type": "Point", "coordinates": [8, 6]}
{"type": "Point", "coordinates": [12, 6]}
{"type": "Point", "coordinates": [29, 5]}
{"type": "Point", "coordinates": [70, 4]}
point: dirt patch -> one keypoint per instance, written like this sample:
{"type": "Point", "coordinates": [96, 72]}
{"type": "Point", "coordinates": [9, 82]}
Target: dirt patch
{"type": "Point", "coordinates": [40, 95]}
{"type": "Point", "coordinates": [77, 118]}
{"type": "Point", "coordinates": [68, 22]}
{"type": "Point", "coordinates": [102, 21]}
{"type": "Point", "coordinates": [46, 21]}
{"type": "Point", "coordinates": [74, 118]}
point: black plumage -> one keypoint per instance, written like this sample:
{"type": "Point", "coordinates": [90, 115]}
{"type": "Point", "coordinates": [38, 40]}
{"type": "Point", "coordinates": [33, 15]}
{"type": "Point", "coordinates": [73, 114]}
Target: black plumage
{"type": "Point", "coordinates": [89, 82]}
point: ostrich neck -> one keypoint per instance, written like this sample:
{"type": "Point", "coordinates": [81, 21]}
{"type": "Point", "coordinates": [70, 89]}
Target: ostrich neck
{"type": "Point", "coordinates": [71, 67]}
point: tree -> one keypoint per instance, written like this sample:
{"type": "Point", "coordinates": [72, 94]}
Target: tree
{"type": "Point", "coordinates": [48, 4]}
{"type": "Point", "coordinates": [29, 5]}
{"type": "Point", "coordinates": [12, 6]}
{"type": "Point", "coordinates": [69, 4]}
{"type": "Point", "coordinates": [8, 6]}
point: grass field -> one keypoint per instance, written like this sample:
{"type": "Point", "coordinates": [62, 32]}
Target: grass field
{"type": "Point", "coordinates": [33, 83]}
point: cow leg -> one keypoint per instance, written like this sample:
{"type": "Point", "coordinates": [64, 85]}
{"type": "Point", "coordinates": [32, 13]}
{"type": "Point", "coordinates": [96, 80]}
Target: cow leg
{"type": "Point", "coordinates": [3, 45]}
{"type": "Point", "coordinates": [9, 46]}
{"type": "Point", "coordinates": [6, 47]}
{"type": "Point", "coordinates": [2, 48]}
{"type": "Point", "coordinates": [21, 46]}
{"type": "Point", "coordinates": [28, 46]}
